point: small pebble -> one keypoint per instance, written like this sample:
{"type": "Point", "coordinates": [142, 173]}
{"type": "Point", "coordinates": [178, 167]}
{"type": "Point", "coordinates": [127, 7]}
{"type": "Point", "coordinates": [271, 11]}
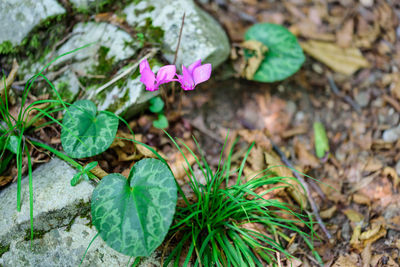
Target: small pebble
{"type": "Point", "coordinates": [363, 98]}
{"type": "Point", "coordinates": [391, 135]}
{"type": "Point", "coordinates": [367, 3]}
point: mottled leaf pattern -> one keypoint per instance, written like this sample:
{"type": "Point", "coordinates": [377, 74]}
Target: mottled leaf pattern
{"type": "Point", "coordinates": [284, 56]}
{"type": "Point", "coordinates": [86, 133]}
{"type": "Point", "coordinates": [133, 215]}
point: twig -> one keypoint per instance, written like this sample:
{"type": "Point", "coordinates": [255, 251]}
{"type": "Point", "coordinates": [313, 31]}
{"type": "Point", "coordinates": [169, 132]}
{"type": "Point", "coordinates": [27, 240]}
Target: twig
{"type": "Point", "coordinates": [175, 58]}
{"type": "Point", "coordinates": [346, 98]}
{"type": "Point", "coordinates": [179, 39]}
{"type": "Point", "coordinates": [305, 185]}
{"type": "Point", "coordinates": [124, 73]}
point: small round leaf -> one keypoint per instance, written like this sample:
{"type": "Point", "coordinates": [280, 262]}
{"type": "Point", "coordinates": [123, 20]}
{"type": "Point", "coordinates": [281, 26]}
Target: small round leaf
{"type": "Point", "coordinates": [133, 215]}
{"type": "Point", "coordinates": [156, 104]}
{"type": "Point", "coordinates": [284, 56]}
{"type": "Point", "coordinates": [85, 132]}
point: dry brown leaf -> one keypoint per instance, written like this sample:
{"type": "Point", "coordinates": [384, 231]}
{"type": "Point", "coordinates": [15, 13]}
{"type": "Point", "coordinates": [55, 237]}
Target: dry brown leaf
{"type": "Point", "coordinates": [99, 172]}
{"type": "Point", "coordinates": [389, 171]}
{"type": "Point", "coordinates": [346, 261]}
{"type": "Point", "coordinates": [5, 180]}
{"type": "Point", "coordinates": [366, 255]}
{"type": "Point", "coordinates": [295, 189]}
{"type": "Point", "coordinates": [257, 136]}
{"type": "Point", "coordinates": [362, 199]}
{"type": "Point", "coordinates": [179, 165]}
{"type": "Point", "coordinates": [304, 156]}
{"type": "Point", "coordinates": [328, 213]}
{"type": "Point", "coordinates": [344, 36]}
{"type": "Point", "coordinates": [353, 216]}
{"type": "Point", "coordinates": [254, 62]}
{"type": "Point", "coordinates": [342, 60]}
{"type": "Point", "coordinates": [373, 165]}
{"type": "Point", "coordinates": [9, 80]}
{"type": "Point", "coordinates": [354, 241]}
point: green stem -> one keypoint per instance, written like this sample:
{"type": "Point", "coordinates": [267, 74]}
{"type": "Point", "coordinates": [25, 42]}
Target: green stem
{"type": "Point", "coordinates": [63, 157]}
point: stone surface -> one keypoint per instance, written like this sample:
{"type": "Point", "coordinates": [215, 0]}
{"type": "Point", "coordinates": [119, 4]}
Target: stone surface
{"type": "Point", "coordinates": [111, 45]}
{"type": "Point", "coordinates": [19, 17]}
{"type": "Point", "coordinates": [202, 37]}
{"type": "Point", "coordinates": [65, 247]}
{"type": "Point", "coordinates": [55, 201]}
{"type": "Point", "coordinates": [61, 216]}
{"type": "Point", "coordinates": [391, 135]}
{"type": "Point", "coordinates": [84, 5]}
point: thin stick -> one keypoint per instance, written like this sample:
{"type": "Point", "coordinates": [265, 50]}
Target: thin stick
{"type": "Point", "coordinates": [176, 54]}
{"type": "Point", "coordinates": [179, 40]}
{"type": "Point", "coordinates": [305, 185]}
{"type": "Point", "coordinates": [346, 98]}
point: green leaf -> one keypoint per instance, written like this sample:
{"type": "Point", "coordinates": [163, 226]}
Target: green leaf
{"type": "Point", "coordinates": [156, 104]}
{"type": "Point", "coordinates": [85, 132]}
{"type": "Point", "coordinates": [161, 123]}
{"type": "Point", "coordinates": [321, 140]}
{"type": "Point", "coordinates": [133, 215]}
{"type": "Point", "coordinates": [12, 144]}
{"type": "Point", "coordinates": [90, 166]}
{"type": "Point", "coordinates": [76, 178]}
{"type": "Point", "coordinates": [284, 56]}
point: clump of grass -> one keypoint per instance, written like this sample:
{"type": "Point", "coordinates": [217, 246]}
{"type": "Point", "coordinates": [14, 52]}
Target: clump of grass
{"type": "Point", "coordinates": [217, 229]}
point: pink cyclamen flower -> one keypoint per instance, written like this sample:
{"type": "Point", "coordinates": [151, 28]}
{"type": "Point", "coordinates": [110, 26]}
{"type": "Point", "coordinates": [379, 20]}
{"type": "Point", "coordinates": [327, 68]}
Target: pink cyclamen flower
{"type": "Point", "coordinates": [164, 75]}
{"type": "Point", "coordinates": [194, 74]}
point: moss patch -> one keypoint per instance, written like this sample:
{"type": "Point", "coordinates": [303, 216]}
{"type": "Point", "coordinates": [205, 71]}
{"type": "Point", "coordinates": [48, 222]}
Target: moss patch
{"type": "Point", "coordinates": [37, 234]}
{"type": "Point", "coordinates": [4, 249]}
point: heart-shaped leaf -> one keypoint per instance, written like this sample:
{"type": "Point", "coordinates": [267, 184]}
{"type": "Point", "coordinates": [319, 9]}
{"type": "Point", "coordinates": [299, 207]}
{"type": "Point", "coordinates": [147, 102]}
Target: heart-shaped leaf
{"type": "Point", "coordinates": [85, 132]}
{"type": "Point", "coordinates": [133, 215]}
{"type": "Point", "coordinates": [161, 122]}
{"type": "Point", "coordinates": [284, 56]}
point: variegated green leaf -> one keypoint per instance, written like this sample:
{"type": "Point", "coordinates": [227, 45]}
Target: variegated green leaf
{"type": "Point", "coordinates": [85, 132]}
{"type": "Point", "coordinates": [133, 215]}
{"type": "Point", "coordinates": [284, 56]}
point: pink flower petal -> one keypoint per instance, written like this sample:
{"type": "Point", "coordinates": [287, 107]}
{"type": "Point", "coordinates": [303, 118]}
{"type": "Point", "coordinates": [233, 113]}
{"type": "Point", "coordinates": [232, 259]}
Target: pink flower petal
{"type": "Point", "coordinates": [202, 73]}
{"type": "Point", "coordinates": [186, 79]}
{"type": "Point", "coordinates": [143, 65]}
{"type": "Point", "coordinates": [148, 78]}
{"type": "Point", "coordinates": [166, 74]}
{"type": "Point", "coordinates": [194, 65]}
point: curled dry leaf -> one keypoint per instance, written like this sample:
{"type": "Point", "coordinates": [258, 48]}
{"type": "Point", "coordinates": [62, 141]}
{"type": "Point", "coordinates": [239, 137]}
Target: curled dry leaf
{"type": "Point", "coordinates": [354, 216]}
{"type": "Point", "coordinates": [304, 156]}
{"type": "Point", "coordinates": [294, 188]}
{"type": "Point", "coordinates": [9, 80]}
{"type": "Point", "coordinates": [328, 213]}
{"type": "Point", "coordinates": [342, 60]}
{"type": "Point", "coordinates": [389, 171]}
{"type": "Point", "coordinates": [253, 63]}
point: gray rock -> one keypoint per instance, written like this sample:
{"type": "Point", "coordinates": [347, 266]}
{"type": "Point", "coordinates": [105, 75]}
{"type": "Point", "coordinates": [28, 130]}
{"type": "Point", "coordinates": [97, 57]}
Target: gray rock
{"type": "Point", "coordinates": [85, 5]}
{"type": "Point", "coordinates": [398, 167]}
{"type": "Point", "coordinates": [66, 246]}
{"type": "Point", "coordinates": [55, 203]}
{"type": "Point", "coordinates": [363, 98]}
{"type": "Point", "coordinates": [202, 37]}
{"type": "Point", "coordinates": [391, 135]}
{"type": "Point", "coordinates": [19, 17]}
{"type": "Point", "coordinates": [111, 46]}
